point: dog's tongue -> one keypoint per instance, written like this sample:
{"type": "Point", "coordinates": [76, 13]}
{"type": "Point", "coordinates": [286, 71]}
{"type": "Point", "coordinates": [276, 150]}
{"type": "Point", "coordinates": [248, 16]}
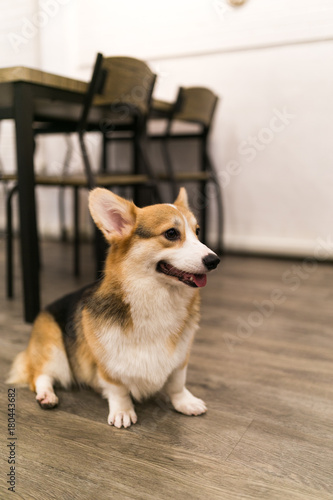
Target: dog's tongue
{"type": "Point", "coordinates": [200, 279]}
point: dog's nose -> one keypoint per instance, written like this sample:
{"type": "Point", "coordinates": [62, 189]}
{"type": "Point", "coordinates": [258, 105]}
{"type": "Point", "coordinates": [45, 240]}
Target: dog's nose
{"type": "Point", "coordinates": [211, 261]}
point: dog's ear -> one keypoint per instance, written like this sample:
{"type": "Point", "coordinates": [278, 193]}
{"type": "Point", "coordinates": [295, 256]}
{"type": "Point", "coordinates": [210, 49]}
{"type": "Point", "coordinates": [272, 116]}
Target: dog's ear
{"type": "Point", "coordinates": [182, 198]}
{"type": "Point", "coordinates": [113, 215]}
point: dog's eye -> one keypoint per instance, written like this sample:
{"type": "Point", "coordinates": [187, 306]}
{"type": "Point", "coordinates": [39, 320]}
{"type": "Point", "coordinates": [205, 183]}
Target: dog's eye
{"type": "Point", "coordinates": [197, 231]}
{"type": "Point", "coordinates": [172, 234]}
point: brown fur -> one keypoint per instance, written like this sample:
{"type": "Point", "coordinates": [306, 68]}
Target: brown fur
{"type": "Point", "coordinates": [45, 335]}
{"type": "Point", "coordinates": [96, 308]}
{"type": "Point", "coordinates": [151, 224]}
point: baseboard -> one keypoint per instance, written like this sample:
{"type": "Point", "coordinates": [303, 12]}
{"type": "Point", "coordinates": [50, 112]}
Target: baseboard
{"type": "Point", "coordinates": [320, 248]}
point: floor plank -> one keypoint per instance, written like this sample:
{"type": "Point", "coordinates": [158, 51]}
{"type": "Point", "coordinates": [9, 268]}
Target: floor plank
{"type": "Point", "coordinates": [264, 368]}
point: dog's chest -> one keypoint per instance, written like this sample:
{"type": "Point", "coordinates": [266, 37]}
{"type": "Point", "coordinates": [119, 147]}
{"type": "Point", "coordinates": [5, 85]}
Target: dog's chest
{"type": "Point", "coordinates": [143, 357]}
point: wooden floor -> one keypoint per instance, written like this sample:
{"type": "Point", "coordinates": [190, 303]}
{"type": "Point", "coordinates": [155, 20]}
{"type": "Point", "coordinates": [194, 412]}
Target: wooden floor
{"type": "Point", "coordinates": [264, 369]}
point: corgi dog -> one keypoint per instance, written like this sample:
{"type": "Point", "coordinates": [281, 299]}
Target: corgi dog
{"type": "Point", "coordinates": [129, 335]}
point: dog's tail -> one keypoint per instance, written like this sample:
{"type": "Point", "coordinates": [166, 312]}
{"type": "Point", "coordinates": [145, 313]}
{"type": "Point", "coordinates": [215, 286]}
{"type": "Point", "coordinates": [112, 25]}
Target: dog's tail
{"type": "Point", "coordinates": [19, 372]}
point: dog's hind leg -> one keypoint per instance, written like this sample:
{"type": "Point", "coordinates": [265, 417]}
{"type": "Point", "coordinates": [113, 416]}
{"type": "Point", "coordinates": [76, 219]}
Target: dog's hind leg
{"type": "Point", "coordinates": [47, 359]}
{"type": "Point", "coordinates": [55, 370]}
{"type": "Point", "coordinates": [45, 394]}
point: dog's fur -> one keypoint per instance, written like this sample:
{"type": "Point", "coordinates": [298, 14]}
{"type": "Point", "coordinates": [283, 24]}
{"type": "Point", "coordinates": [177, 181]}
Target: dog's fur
{"type": "Point", "coordinates": [129, 334]}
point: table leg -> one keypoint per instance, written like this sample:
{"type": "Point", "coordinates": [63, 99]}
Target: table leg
{"type": "Point", "coordinates": [23, 114]}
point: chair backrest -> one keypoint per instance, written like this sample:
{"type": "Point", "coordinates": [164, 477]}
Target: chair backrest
{"type": "Point", "coordinates": [127, 81]}
{"type": "Point", "coordinates": [195, 104]}
{"type": "Point", "coordinates": [93, 87]}
{"type": "Point", "coordinates": [117, 81]}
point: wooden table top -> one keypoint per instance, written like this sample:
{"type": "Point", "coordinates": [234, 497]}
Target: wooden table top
{"type": "Point", "coordinates": [30, 75]}
{"type": "Point", "coordinates": [36, 76]}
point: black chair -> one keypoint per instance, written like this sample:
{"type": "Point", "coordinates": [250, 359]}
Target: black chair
{"type": "Point", "coordinates": [127, 92]}
{"type": "Point", "coordinates": [118, 114]}
{"type": "Point", "coordinates": [194, 105]}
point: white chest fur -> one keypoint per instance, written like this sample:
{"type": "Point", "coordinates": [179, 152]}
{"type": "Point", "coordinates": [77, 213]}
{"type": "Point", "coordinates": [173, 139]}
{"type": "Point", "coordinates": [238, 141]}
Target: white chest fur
{"type": "Point", "coordinates": [144, 357]}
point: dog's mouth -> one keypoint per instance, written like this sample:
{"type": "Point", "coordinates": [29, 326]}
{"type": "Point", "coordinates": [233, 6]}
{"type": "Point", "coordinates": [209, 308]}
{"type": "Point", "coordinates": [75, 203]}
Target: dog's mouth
{"type": "Point", "coordinates": [190, 279]}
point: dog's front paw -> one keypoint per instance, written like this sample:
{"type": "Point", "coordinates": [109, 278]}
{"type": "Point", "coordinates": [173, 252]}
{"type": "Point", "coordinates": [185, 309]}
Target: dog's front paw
{"type": "Point", "coordinates": [186, 403]}
{"type": "Point", "coordinates": [122, 418]}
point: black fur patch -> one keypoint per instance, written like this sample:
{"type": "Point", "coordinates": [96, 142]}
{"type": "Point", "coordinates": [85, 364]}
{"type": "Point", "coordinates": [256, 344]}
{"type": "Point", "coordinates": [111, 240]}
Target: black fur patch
{"type": "Point", "coordinates": [142, 232]}
{"type": "Point", "coordinates": [64, 311]}
{"type": "Point", "coordinates": [111, 308]}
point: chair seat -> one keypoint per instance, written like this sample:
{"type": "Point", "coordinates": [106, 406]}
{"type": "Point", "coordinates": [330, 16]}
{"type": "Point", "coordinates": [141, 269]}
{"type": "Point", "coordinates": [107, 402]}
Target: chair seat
{"type": "Point", "coordinates": [65, 118]}
{"type": "Point", "coordinates": [161, 109]}
{"type": "Point", "coordinates": [81, 181]}
{"type": "Point", "coordinates": [8, 177]}
{"type": "Point", "coordinates": [188, 176]}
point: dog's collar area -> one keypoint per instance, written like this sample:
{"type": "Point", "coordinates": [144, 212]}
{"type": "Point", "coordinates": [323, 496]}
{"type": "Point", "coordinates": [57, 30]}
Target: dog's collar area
{"type": "Point", "coordinates": [190, 279]}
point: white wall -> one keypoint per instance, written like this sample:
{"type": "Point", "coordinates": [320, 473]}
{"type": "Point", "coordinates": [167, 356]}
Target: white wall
{"type": "Point", "coordinates": [264, 59]}
{"type": "Point", "coordinates": [10, 23]}
{"type": "Point", "coordinates": [278, 191]}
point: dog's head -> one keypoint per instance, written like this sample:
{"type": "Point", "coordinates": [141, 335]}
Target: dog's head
{"type": "Point", "coordinates": [158, 240]}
